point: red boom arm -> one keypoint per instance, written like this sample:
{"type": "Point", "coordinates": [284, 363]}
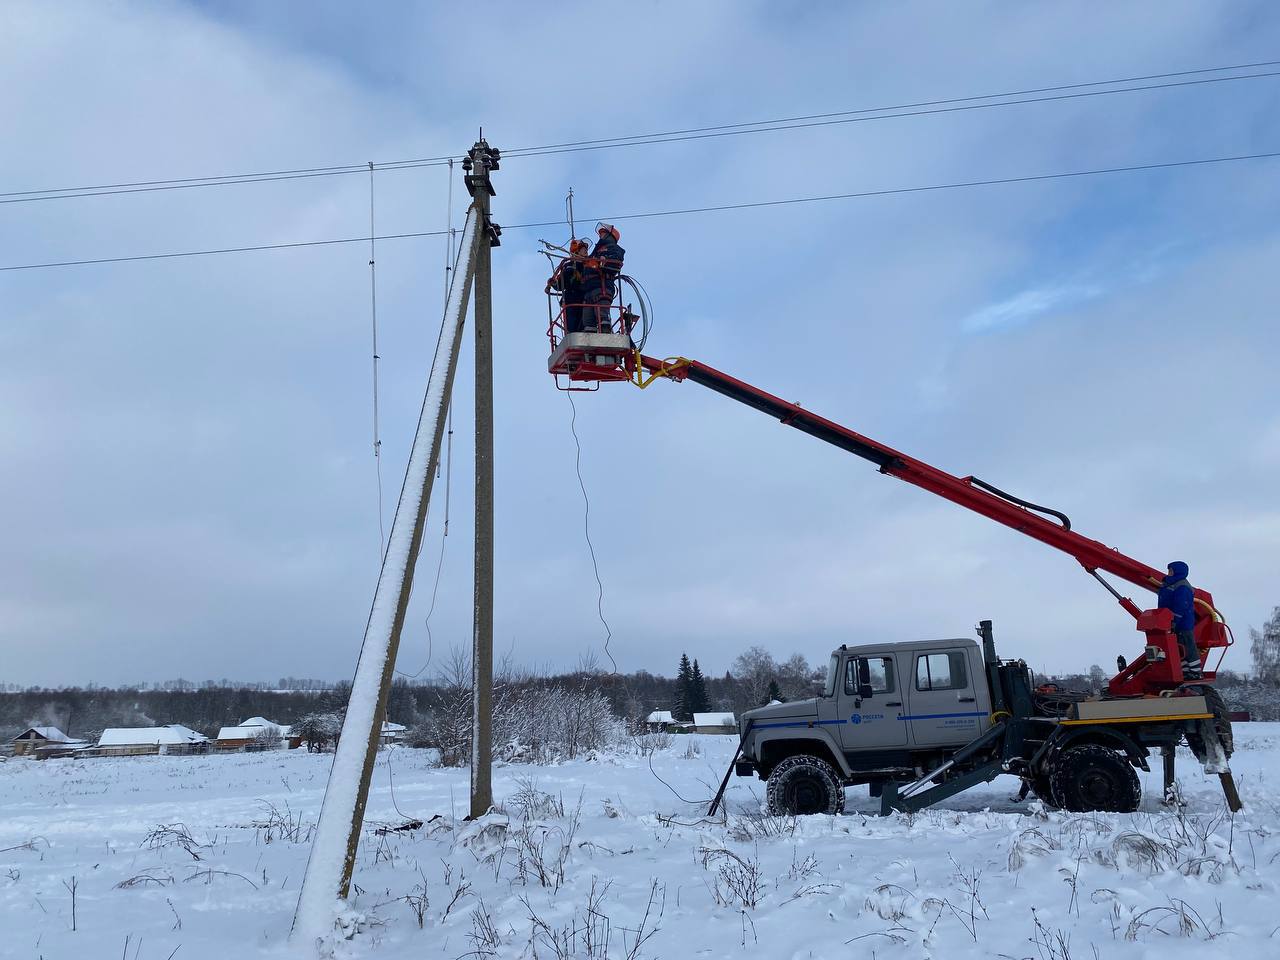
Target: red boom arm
{"type": "Point", "coordinates": [1158, 668]}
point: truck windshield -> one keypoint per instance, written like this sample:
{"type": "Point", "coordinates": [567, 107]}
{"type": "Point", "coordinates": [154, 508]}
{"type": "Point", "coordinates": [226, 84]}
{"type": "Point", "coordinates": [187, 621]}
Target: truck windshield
{"type": "Point", "coordinates": [833, 670]}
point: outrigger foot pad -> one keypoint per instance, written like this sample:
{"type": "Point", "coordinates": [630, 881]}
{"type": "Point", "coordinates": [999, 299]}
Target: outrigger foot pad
{"type": "Point", "coordinates": [1229, 791]}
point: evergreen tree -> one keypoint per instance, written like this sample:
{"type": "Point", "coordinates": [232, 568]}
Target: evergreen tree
{"type": "Point", "coordinates": [774, 693]}
{"type": "Point", "coordinates": [701, 703]}
{"type": "Point", "coordinates": [683, 709]}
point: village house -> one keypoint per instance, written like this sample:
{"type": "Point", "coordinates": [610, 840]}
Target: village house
{"type": "Point", "coordinates": [392, 732]}
{"type": "Point", "coordinates": [660, 721]}
{"type": "Point", "coordinates": [171, 740]}
{"type": "Point", "coordinates": [257, 733]}
{"type": "Point", "coordinates": [714, 723]}
{"type": "Point", "coordinates": [45, 742]}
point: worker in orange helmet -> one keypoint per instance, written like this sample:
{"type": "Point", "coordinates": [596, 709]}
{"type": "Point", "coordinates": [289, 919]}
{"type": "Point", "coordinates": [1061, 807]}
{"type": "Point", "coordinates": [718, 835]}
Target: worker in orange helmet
{"type": "Point", "coordinates": [567, 280]}
{"type": "Point", "coordinates": [600, 278]}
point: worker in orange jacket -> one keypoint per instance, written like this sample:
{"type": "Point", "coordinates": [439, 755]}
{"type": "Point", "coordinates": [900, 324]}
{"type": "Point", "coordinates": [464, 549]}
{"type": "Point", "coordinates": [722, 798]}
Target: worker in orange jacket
{"type": "Point", "coordinates": [567, 280]}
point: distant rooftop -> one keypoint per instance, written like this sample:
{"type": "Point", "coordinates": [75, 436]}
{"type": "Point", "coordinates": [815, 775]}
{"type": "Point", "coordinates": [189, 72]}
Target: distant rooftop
{"type": "Point", "coordinates": [48, 733]}
{"type": "Point", "coordinates": [174, 734]}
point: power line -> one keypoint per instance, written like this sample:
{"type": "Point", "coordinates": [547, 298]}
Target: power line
{"type": "Point", "coordinates": [888, 191]}
{"type": "Point", "coordinates": [192, 183]}
{"type": "Point", "coordinates": [845, 119]}
{"type": "Point", "coordinates": [920, 189]}
{"type": "Point", "coordinates": [917, 108]}
{"type": "Point", "coordinates": [221, 250]}
{"type": "Point", "coordinates": [922, 103]}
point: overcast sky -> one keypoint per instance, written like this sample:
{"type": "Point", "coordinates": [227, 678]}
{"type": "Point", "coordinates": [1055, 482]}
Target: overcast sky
{"type": "Point", "coordinates": [187, 485]}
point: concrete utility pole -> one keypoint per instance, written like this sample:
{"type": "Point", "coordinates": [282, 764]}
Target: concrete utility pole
{"type": "Point", "coordinates": [481, 160]}
{"type": "Point", "coordinates": [337, 837]}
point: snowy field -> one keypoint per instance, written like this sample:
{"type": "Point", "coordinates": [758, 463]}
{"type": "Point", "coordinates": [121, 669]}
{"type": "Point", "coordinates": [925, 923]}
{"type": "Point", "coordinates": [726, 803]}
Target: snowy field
{"type": "Point", "coordinates": [201, 857]}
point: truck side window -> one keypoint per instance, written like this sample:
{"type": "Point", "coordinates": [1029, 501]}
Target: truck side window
{"type": "Point", "coordinates": [940, 671]}
{"type": "Point", "coordinates": [877, 670]}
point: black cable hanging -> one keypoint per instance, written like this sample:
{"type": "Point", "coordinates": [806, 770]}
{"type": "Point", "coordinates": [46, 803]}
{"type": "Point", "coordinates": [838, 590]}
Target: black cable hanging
{"type": "Point", "coordinates": [373, 316]}
{"type": "Point", "coordinates": [451, 259]}
{"type": "Point", "coordinates": [586, 530]}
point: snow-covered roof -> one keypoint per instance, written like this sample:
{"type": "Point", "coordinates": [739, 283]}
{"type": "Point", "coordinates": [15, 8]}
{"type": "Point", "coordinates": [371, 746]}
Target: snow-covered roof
{"type": "Point", "coordinates": [252, 733]}
{"type": "Point", "coordinates": [255, 727]}
{"type": "Point", "coordinates": [172, 735]}
{"type": "Point", "coordinates": [713, 720]}
{"type": "Point", "coordinates": [389, 727]}
{"type": "Point", "coordinates": [660, 716]}
{"type": "Point", "coordinates": [46, 733]}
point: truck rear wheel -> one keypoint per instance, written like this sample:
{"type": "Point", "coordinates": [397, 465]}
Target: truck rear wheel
{"type": "Point", "coordinates": [803, 785]}
{"type": "Point", "coordinates": [1092, 777]}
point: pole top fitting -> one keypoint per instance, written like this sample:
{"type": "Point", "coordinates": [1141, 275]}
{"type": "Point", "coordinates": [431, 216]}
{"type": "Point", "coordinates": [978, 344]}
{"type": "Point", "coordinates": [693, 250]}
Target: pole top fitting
{"type": "Point", "coordinates": [479, 162]}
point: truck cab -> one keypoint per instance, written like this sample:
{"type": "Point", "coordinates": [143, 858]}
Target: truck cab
{"type": "Point", "coordinates": [886, 710]}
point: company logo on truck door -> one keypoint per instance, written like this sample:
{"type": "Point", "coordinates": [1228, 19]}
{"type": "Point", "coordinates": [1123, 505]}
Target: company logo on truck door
{"type": "Point", "coordinates": [865, 717]}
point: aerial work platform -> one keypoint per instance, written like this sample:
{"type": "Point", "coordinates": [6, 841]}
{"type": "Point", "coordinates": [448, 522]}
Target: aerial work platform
{"type": "Point", "coordinates": [584, 357]}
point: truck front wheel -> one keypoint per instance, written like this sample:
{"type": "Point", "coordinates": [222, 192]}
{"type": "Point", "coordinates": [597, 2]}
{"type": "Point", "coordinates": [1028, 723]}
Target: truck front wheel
{"type": "Point", "coordinates": [1092, 777]}
{"type": "Point", "coordinates": [804, 785]}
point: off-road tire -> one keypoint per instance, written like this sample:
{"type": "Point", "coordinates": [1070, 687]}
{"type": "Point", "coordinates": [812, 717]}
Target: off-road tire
{"type": "Point", "coordinates": [1092, 777]}
{"type": "Point", "coordinates": [1042, 787]}
{"type": "Point", "coordinates": [804, 785]}
{"type": "Point", "coordinates": [1221, 724]}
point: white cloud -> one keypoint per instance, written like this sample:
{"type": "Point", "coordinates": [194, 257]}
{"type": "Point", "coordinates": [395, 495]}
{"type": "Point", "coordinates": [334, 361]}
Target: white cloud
{"type": "Point", "coordinates": [1027, 306]}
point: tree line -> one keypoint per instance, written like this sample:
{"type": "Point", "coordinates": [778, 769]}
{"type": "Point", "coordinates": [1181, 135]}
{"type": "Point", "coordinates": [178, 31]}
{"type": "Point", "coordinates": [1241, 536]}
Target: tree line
{"type": "Point", "coordinates": [754, 678]}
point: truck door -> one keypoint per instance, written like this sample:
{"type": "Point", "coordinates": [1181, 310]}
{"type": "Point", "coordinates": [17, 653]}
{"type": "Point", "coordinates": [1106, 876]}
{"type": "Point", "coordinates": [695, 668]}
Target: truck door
{"type": "Point", "coordinates": [943, 702]}
{"type": "Point", "coordinates": [875, 720]}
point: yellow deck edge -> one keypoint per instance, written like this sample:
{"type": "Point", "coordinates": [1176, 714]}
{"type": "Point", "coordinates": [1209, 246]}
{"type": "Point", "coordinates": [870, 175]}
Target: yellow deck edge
{"type": "Point", "coordinates": [1179, 716]}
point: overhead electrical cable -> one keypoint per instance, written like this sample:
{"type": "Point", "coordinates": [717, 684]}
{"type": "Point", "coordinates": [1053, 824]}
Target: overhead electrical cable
{"type": "Point", "coordinates": [888, 191]}
{"type": "Point", "coordinates": [865, 115]}
{"type": "Point", "coordinates": [917, 108]}
{"type": "Point", "coordinates": [222, 250]}
{"type": "Point", "coordinates": [906, 106]}
{"type": "Point", "coordinates": [214, 182]}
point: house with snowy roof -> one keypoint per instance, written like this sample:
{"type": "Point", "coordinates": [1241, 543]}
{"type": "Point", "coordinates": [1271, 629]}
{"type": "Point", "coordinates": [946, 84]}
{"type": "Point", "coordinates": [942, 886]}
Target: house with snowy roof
{"type": "Point", "coordinates": [660, 720]}
{"type": "Point", "coordinates": [392, 732]}
{"type": "Point", "coordinates": [714, 723]}
{"type": "Point", "coordinates": [45, 742]}
{"type": "Point", "coordinates": [256, 733]}
{"type": "Point", "coordinates": [170, 740]}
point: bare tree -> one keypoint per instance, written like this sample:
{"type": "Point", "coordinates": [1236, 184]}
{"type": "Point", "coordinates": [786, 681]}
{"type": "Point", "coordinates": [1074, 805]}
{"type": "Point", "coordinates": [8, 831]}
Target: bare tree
{"type": "Point", "coordinates": [1266, 650]}
{"type": "Point", "coordinates": [754, 669]}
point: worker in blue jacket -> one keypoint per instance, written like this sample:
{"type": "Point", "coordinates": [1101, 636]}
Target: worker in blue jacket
{"type": "Point", "coordinates": [600, 276]}
{"type": "Point", "coordinates": [1178, 596]}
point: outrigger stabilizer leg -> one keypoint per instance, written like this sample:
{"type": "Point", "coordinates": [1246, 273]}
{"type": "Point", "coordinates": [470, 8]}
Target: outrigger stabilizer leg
{"type": "Point", "coordinates": [724, 783]}
{"type": "Point", "coordinates": [1216, 762]}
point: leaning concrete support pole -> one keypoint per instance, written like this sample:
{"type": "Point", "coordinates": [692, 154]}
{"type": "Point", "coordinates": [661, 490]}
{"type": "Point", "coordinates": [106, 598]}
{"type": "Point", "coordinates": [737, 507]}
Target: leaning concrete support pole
{"type": "Point", "coordinates": [333, 850]}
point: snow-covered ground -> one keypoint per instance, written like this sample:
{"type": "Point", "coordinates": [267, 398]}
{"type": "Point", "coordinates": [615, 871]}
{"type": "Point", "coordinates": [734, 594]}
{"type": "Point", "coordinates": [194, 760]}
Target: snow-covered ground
{"type": "Point", "coordinates": [204, 856]}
